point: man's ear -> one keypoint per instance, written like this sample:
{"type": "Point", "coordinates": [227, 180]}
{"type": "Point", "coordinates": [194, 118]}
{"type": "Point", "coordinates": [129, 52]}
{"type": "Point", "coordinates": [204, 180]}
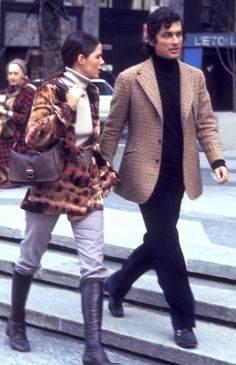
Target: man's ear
{"type": "Point", "coordinates": [150, 42]}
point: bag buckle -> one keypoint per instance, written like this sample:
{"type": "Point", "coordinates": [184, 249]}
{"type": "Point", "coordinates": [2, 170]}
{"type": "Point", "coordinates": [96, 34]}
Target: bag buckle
{"type": "Point", "coordinates": [30, 174]}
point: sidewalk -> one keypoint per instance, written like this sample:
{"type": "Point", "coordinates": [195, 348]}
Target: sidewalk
{"type": "Point", "coordinates": [206, 224]}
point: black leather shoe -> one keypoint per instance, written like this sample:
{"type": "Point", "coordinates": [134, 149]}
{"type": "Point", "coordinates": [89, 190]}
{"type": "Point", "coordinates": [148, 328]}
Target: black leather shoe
{"type": "Point", "coordinates": [17, 336]}
{"type": "Point", "coordinates": [185, 338]}
{"type": "Point", "coordinates": [115, 306]}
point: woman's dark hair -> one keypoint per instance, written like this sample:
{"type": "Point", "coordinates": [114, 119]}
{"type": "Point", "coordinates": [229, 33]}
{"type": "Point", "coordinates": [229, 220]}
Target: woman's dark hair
{"type": "Point", "coordinates": [76, 43]}
{"type": "Point", "coordinates": [163, 16]}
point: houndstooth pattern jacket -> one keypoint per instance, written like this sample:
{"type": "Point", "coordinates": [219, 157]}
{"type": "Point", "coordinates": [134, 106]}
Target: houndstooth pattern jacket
{"type": "Point", "coordinates": [136, 100]}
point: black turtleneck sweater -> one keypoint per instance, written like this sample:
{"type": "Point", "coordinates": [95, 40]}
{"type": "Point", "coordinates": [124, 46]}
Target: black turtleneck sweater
{"type": "Point", "coordinates": [168, 79]}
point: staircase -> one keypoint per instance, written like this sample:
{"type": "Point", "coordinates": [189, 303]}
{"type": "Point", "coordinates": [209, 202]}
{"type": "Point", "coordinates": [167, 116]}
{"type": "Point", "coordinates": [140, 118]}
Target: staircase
{"type": "Point", "coordinates": [54, 303]}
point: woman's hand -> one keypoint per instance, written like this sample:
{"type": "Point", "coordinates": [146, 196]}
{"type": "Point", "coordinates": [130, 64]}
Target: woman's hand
{"type": "Point", "coordinates": [73, 96]}
{"type": "Point", "coordinates": [3, 112]}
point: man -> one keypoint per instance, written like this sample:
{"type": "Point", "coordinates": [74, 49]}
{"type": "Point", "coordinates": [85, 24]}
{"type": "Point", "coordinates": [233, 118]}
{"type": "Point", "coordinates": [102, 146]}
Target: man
{"type": "Point", "coordinates": [167, 108]}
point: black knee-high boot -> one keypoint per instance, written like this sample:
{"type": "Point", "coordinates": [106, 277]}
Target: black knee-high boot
{"type": "Point", "coordinates": [16, 323]}
{"type": "Point", "coordinates": [92, 300]}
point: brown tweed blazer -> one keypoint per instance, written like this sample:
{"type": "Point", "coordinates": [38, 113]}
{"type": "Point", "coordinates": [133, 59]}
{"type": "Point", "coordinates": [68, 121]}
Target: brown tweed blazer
{"type": "Point", "coordinates": [136, 100]}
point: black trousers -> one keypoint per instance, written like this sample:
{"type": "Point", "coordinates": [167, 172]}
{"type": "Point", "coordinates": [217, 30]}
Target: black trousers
{"type": "Point", "coordinates": [161, 251]}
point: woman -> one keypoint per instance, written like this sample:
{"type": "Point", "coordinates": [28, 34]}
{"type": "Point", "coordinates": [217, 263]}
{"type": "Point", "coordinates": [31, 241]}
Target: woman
{"type": "Point", "coordinates": [19, 97]}
{"type": "Point", "coordinates": [65, 108]}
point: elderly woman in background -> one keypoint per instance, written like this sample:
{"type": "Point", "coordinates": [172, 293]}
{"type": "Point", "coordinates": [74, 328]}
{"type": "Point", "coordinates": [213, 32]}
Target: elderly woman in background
{"type": "Point", "coordinates": [18, 100]}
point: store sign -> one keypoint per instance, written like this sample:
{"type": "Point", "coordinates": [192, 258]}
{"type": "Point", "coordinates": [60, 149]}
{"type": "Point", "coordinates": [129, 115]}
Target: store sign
{"type": "Point", "coordinates": [210, 40]}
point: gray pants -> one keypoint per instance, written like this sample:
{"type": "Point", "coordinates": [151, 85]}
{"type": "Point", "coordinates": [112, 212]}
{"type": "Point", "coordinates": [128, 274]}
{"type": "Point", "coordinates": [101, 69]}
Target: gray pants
{"type": "Point", "coordinates": [88, 234]}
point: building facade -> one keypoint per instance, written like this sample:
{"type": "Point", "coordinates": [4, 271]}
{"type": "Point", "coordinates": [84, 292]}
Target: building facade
{"type": "Point", "coordinates": [121, 29]}
{"type": "Point", "coordinates": [209, 45]}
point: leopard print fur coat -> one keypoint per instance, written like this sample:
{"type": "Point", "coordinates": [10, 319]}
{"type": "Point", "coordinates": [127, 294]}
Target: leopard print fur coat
{"type": "Point", "coordinates": [83, 185]}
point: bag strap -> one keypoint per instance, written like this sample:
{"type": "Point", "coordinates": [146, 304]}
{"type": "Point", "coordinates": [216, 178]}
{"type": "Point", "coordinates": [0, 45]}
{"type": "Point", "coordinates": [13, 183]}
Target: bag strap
{"type": "Point", "coordinates": [27, 114]}
{"type": "Point", "coordinates": [62, 88]}
{"type": "Point", "coordinates": [59, 84]}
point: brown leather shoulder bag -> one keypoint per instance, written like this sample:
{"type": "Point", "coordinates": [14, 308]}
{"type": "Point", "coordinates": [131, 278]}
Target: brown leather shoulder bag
{"type": "Point", "coordinates": [28, 169]}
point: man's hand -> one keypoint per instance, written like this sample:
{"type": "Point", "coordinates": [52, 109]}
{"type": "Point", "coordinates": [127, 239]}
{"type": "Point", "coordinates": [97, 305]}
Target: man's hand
{"type": "Point", "coordinates": [222, 174]}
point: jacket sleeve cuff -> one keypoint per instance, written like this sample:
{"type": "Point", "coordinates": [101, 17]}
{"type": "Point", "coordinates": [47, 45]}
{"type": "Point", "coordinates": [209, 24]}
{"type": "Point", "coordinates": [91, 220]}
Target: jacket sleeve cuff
{"type": "Point", "coordinates": [218, 163]}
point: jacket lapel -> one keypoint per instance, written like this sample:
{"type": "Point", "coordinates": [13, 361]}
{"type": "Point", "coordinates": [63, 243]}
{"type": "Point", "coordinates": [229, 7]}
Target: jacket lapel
{"type": "Point", "coordinates": [147, 79]}
{"type": "Point", "coordinates": [186, 91]}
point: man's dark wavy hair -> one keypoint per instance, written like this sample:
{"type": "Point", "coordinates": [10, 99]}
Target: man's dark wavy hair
{"type": "Point", "coordinates": [163, 16]}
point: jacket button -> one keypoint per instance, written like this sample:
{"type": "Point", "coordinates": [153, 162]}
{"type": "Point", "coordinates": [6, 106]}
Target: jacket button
{"type": "Point", "coordinates": [159, 140]}
{"type": "Point", "coordinates": [157, 160]}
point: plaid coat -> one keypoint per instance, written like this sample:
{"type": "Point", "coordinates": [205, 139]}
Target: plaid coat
{"type": "Point", "coordinates": [21, 106]}
{"type": "Point", "coordinates": [136, 99]}
{"type": "Point", "coordinates": [83, 185]}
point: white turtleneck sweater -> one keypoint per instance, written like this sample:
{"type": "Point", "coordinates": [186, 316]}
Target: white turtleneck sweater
{"type": "Point", "coordinates": [84, 124]}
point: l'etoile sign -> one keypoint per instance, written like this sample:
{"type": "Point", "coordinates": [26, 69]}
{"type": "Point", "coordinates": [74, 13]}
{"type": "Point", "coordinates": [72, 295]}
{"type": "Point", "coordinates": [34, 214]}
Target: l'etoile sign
{"type": "Point", "coordinates": [210, 40]}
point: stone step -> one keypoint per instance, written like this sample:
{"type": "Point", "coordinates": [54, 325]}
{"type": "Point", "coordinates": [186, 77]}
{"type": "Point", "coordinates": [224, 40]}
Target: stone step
{"type": "Point", "coordinates": [142, 331]}
{"type": "Point", "coordinates": [123, 231]}
{"type": "Point", "coordinates": [215, 301]}
{"type": "Point", "coordinates": [202, 258]}
{"type": "Point", "coordinates": [50, 347]}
